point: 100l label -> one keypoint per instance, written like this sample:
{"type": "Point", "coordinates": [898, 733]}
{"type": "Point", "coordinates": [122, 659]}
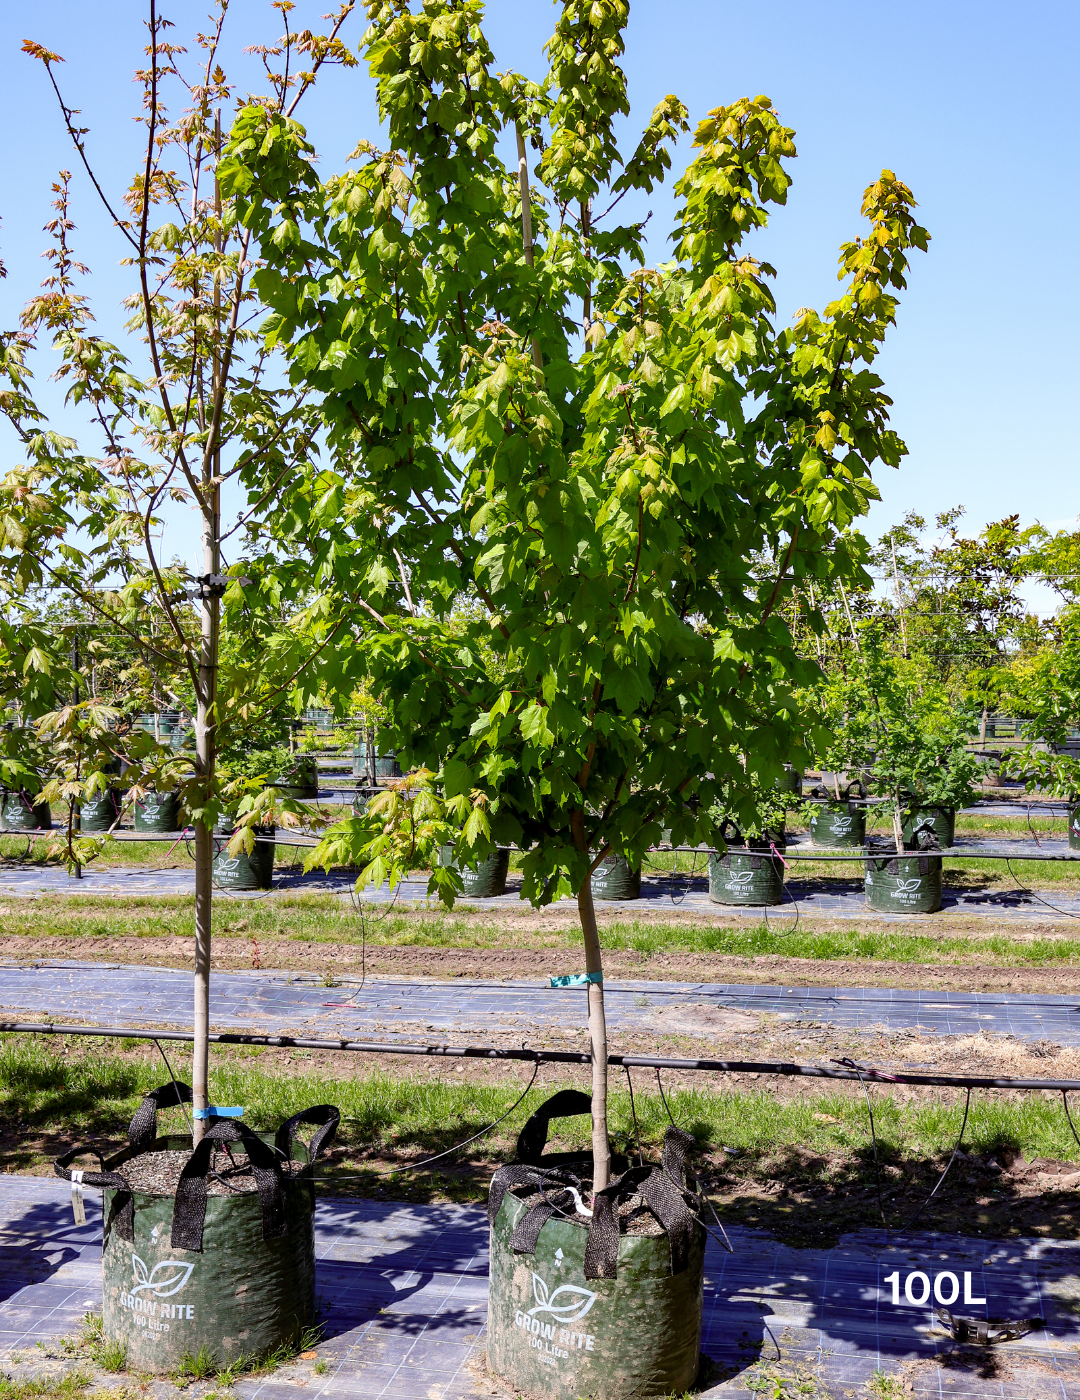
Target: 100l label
{"type": "Point", "coordinates": [917, 1287]}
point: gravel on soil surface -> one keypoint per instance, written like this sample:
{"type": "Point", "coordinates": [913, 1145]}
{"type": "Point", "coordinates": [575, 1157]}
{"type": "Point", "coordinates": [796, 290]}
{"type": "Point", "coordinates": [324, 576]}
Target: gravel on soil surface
{"type": "Point", "coordinates": [158, 1173]}
{"type": "Point", "coordinates": [635, 1217]}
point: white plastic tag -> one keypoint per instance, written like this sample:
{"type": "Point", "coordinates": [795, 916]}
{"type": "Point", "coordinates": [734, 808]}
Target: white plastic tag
{"type": "Point", "coordinates": [77, 1207]}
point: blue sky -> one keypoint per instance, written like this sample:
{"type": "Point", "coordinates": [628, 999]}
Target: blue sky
{"type": "Point", "coordinates": [973, 105]}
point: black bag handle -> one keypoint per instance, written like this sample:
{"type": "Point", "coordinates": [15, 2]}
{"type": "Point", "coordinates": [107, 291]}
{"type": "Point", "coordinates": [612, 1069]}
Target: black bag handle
{"type": "Point", "coordinates": [124, 1206]}
{"type": "Point", "coordinates": [532, 1139]}
{"type": "Point", "coordinates": [189, 1212]}
{"type": "Point", "coordinates": [736, 839]}
{"type": "Point", "coordinates": [663, 1188]}
{"type": "Point", "coordinates": [325, 1115]}
{"type": "Point", "coordinates": [142, 1129]}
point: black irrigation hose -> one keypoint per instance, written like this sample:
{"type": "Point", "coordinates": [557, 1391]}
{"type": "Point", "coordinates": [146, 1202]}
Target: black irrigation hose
{"type": "Point", "coordinates": [427, 1161]}
{"type": "Point", "coordinates": [725, 1242]}
{"type": "Point", "coordinates": [633, 1114]}
{"type": "Point", "coordinates": [172, 1077]}
{"type": "Point", "coordinates": [1068, 1115]}
{"type": "Point", "coordinates": [561, 1057]}
{"type": "Point", "coordinates": [877, 1167]}
{"type": "Point", "coordinates": [1025, 890]}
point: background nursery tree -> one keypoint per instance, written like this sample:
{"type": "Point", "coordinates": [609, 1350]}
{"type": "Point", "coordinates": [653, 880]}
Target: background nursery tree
{"type": "Point", "coordinates": [190, 403]}
{"type": "Point", "coordinates": [554, 463]}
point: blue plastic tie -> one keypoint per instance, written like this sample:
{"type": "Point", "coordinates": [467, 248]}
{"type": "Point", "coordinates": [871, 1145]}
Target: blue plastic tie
{"type": "Point", "coordinates": [578, 979]}
{"type": "Point", "coordinates": [212, 1111]}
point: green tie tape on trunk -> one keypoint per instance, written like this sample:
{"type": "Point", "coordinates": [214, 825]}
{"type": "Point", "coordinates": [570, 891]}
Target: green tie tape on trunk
{"type": "Point", "coordinates": [578, 979]}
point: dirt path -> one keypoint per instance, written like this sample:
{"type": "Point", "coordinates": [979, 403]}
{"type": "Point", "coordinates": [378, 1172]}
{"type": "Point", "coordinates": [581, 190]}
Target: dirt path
{"type": "Point", "coordinates": [344, 960]}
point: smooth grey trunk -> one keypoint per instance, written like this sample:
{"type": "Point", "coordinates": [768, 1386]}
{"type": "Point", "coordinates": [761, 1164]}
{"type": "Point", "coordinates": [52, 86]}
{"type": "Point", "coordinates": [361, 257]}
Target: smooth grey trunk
{"type": "Point", "coordinates": [899, 597]}
{"type": "Point", "coordinates": [850, 620]}
{"type": "Point", "coordinates": [526, 220]}
{"type": "Point", "coordinates": [205, 755]}
{"type": "Point", "coordinates": [597, 1037]}
{"type": "Point", "coordinates": [898, 825]}
{"type": "Point", "coordinates": [206, 736]}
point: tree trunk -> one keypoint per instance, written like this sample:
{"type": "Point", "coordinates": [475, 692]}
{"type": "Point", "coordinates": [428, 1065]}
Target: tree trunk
{"type": "Point", "coordinates": [526, 220]}
{"type": "Point", "coordinates": [597, 1037]}
{"type": "Point", "coordinates": [898, 825]}
{"type": "Point", "coordinates": [206, 745]}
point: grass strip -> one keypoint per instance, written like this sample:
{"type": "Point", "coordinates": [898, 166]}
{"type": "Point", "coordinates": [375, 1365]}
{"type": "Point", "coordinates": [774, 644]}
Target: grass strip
{"type": "Point", "coordinates": [53, 1087]}
{"type": "Point", "coordinates": [315, 919]}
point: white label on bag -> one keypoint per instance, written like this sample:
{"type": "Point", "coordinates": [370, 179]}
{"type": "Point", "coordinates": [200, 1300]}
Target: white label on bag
{"type": "Point", "coordinates": [77, 1207]}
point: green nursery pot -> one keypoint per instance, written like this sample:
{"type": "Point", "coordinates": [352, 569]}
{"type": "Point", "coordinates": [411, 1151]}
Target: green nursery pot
{"type": "Point", "coordinates": [487, 881]}
{"type": "Point", "coordinates": [100, 813]}
{"type": "Point", "coordinates": [940, 820]}
{"type": "Point", "coordinates": [243, 872]}
{"type": "Point", "coordinates": [614, 880]}
{"type": "Point", "coordinates": [157, 813]}
{"type": "Point", "coordinates": [838, 824]}
{"type": "Point", "coordinates": [300, 780]}
{"type": "Point", "coordinates": [22, 812]}
{"type": "Point", "coordinates": [554, 1333]}
{"type": "Point", "coordinates": [909, 884]}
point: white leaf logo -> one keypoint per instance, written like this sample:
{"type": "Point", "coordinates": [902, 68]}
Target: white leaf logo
{"type": "Point", "coordinates": [580, 1301]}
{"type": "Point", "coordinates": [741, 877]}
{"type": "Point", "coordinates": [907, 886]}
{"type": "Point", "coordinates": [841, 823]}
{"type": "Point", "coordinates": [167, 1278]}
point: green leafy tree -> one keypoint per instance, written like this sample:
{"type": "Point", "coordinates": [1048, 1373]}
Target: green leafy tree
{"type": "Point", "coordinates": [190, 401]}
{"type": "Point", "coordinates": [907, 727]}
{"type": "Point", "coordinates": [546, 452]}
{"type": "Point", "coordinates": [1045, 694]}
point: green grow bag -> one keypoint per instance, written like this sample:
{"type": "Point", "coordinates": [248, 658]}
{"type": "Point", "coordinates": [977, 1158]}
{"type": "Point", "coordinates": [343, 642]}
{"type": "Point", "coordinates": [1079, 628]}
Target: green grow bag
{"type": "Point", "coordinates": [487, 880]}
{"type": "Point", "coordinates": [746, 877]}
{"type": "Point", "coordinates": [613, 879]}
{"type": "Point", "coordinates": [301, 780]}
{"type": "Point", "coordinates": [233, 1273]}
{"type": "Point", "coordinates": [903, 884]}
{"type": "Point", "coordinates": [1074, 828]}
{"type": "Point", "coordinates": [100, 813]}
{"type": "Point", "coordinates": [22, 813]}
{"type": "Point", "coordinates": [791, 781]}
{"type": "Point", "coordinates": [243, 871]}
{"type": "Point", "coordinates": [157, 812]}
{"type": "Point", "coordinates": [387, 766]}
{"type": "Point", "coordinates": [940, 820]}
{"type": "Point", "coordinates": [619, 1320]}
{"type": "Point", "coordinates": [838, 824]}
{"type": "Point", "coordinates": [168, 722]}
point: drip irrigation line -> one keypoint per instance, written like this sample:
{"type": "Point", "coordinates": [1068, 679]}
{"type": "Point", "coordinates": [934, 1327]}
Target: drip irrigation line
{"type": "Point", "coordinates": [902, 1229]}
{"type": "Point", "coordinates": [563, 1057]}
{"type": "Point", "coordinates": [784, 889]}
{"type": "Point", "coordinates": [633, 1114]}
{"type": "Point", "coordinates": [1024, 889]}
{"type": "Point", "coordinates": [172, 1077]}
{"type": "Point", "coordinates": [427, 1161]}
{"type": "Point", "coordinates": [1068, 1115]}
{"type": "Point", "coordinates": [725, 1243]}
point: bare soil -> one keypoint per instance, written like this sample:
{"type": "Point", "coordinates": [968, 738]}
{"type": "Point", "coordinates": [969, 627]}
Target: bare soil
{"type": "Point", "coordinates": [523, 963]}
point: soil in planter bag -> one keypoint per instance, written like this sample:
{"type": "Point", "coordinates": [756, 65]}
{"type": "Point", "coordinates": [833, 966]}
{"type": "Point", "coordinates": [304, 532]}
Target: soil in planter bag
{"type": "Point", "coordinates": [608, 1306]}
{"type": "Point", "coordinates": [212, 1248]}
